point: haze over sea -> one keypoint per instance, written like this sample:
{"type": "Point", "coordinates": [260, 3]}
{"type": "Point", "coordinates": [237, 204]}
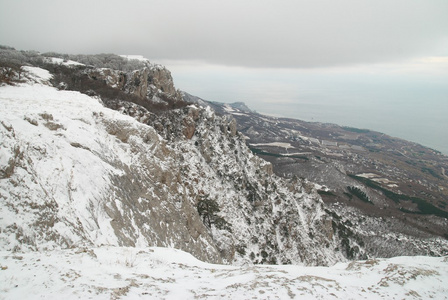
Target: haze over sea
{"type": "Point", "coordinates": [408, 101]}
{"type": "Point", "coordinates": [411, 104]}
{"type": "Point", "coordinates": [425, 122]}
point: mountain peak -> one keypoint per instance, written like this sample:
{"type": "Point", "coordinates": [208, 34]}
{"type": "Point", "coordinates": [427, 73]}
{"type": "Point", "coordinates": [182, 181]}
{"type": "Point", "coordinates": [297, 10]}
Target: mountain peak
{"type": "Point", "coordinates": [241, 106]}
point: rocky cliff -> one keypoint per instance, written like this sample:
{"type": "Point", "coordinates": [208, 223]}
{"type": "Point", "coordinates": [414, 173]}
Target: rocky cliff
{"type": "Point", "coordinates": [75, 173]}
{"type": "Point", "coordinates": [153, 83]}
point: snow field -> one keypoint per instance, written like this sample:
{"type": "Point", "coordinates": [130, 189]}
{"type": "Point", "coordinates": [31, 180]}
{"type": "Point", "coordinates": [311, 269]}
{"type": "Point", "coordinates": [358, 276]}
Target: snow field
{"type": "Point", "coordinates": [166, 273]}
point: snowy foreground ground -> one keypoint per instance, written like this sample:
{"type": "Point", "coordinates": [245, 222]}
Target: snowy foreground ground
{"type": "Point", "coordinates": [148, 273]}
{"type": "Point", "coordinates": [164, 273]}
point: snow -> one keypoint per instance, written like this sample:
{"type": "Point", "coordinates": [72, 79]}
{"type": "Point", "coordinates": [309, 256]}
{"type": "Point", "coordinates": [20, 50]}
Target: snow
{"type": "Point", "coordinates": [67, 148]}
{"type": "Point", "coordinates": [227, 108]}
{"type": "Point", "coordinates": [55, 154]}
{"type": "Point", "coordinates": [166, 273]}
{"type": "Point", "coordinates": [57, 148]}
{"type": "Point", "coordinates": [368, 175]}
{"type": "Point", "coordinates": [296, 153]}
{"type": "Point", "coordinates": [275, 144]}
{"type": "Point", "coordinates": [37, 75]}
{"type": "Point", "coordinates": [329, 143]}
{"type": "Point", "coordinates": [136, 57]}
{"type": "Point", "coordinates": [64, 161]}
{"type": "Point", "coordinates": [61, 61]}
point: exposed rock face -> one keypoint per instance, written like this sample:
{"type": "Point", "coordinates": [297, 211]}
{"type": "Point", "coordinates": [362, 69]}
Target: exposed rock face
{"type": "Point", "coordinates": [382, 212]}
{"type": "Point", "coordinates": [161, 78]}
{"type": "Point", "coordinates": [78, 173]}
{"type": "Point", "coordinates": [154, 83]}
{"type": "Point", "coordinates": [98, 178]}
{"type": "Point", "coordinates": [271, 221]}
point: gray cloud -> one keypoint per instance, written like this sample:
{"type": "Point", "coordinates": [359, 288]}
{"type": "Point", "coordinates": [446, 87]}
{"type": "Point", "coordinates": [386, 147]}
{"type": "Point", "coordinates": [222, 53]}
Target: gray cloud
{"type": "Point", "coordinates": [250, 33]}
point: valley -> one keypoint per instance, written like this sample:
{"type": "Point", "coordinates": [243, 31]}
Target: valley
{"type": "Point", "coordinates": [403, 185]}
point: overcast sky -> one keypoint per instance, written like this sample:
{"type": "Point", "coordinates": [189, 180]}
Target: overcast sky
{"type": "Point", "coordinates": [252, 33]}
{"type": "Point", "coordinates": [277, 56]}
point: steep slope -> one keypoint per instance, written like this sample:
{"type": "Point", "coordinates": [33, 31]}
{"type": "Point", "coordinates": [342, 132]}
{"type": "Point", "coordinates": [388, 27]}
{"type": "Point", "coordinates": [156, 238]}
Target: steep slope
{"type": "Point", "coordinates": [275, 221]}
{"type": "Point", "coordinates": [75, 173]}
{"type": "Point", "coordinates": [85, 191]}
{"type": "Point", "coordinates": [270, 220]}
{"type": "Point", "coordinates": [391, 192]}
{"type": "Point", "coordinates": [153, 82]}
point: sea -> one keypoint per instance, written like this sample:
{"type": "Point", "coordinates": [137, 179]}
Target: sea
{"type": "Point", "coordinates": [408, 105]}
{"type": "Point", "coordinates": [424, 122]}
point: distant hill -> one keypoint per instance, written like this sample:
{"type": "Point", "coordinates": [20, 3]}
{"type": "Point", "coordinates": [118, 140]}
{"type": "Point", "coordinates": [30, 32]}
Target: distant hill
{"type": "Point", "coordinates": [393, 191]}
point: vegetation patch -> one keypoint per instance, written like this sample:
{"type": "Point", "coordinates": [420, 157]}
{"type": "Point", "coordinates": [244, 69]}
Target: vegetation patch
{"type": "Point", "coordinates": [258, 151]}
{"type": "Point", "coordinates": [356, 130]}
{"type": "Point", "coordinates": [359, 193]}
{"type": "Point", "coordinates": [326, 193]}
{"type": "Point", "coordinates": [423, 206]}
{"type": "Point", "coordinates": [431, 172]}
{"type": "Point", "coordinates": [208, 209]}
{"type": "Point", "coordinates": [350, 196]}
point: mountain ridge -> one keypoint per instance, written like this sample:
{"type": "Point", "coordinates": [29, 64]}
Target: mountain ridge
{"type": "Point", "coordinates": [172, 159]}
{"type": "Point", "coordinates": [123, 203]}
{"type": "Point", "coordinates": [359, 173]}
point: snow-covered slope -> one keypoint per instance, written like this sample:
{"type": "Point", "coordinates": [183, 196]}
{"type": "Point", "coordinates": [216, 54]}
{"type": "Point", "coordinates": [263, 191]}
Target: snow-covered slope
{"type": "Point", "coordinates": [74, 173]}
{"type": "Point", "coordinates": [162, 273]}
{"type": "Point", "coordinates": [271, 220]}
{"type": "Point", "coordinates": [85, 191]}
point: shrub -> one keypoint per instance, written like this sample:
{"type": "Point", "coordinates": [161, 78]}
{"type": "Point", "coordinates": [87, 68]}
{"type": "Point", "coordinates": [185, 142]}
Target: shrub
{"type": "Point", "coordinates": [359, 193]}
{"type": "Point", "coordinates": [208, 209]}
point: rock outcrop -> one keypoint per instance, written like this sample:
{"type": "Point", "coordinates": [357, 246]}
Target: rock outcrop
{"type": "Point", "coordinates": [77, 173]}
{"type": "Point", "coordinates": [153, 83]}
{"type": "Point", "coordinates": [98, 178]}
{"type": "Point", "coordinates": [268, 220]}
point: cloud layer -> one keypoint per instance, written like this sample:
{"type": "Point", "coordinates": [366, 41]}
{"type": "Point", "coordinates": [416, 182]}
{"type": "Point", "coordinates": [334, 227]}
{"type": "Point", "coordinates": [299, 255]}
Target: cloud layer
{"type": "Point", "coordinates": [250, 33]}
